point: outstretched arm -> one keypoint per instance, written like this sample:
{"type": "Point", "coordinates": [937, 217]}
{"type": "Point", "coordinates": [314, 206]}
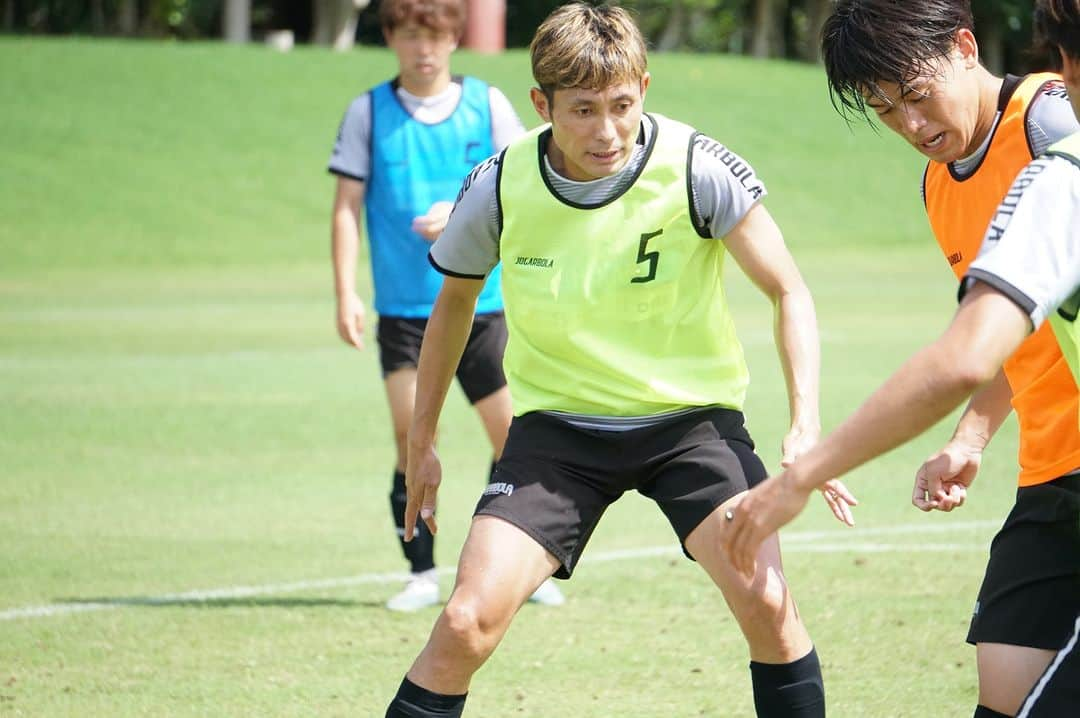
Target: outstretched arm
{"type": "Point", "coordinates": [444, 341]}
{"type": "Point", "coordinates": [987, 328]}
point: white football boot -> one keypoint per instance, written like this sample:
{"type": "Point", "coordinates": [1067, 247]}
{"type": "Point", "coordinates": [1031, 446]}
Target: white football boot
{"type": "Point", "coordinates": [421, 591]}
{"type": "Point", "coordinates": [548, 594]}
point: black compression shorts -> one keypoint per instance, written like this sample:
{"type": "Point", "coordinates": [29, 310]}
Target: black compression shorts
{"type": "Point", "coordinates": [555, 480]}
{"type": "Point", "coordinates": [480, 372]}
{"type": "Point", "coordinates": [1030, 595]}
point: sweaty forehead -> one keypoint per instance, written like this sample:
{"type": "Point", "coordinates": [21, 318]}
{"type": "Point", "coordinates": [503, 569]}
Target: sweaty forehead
{"type": "Point", "coordinates": [884, 92]}
{"type": "Point", "coordinates": [921, 73]}
{"type": "Point", "coordinates": [881, 92]}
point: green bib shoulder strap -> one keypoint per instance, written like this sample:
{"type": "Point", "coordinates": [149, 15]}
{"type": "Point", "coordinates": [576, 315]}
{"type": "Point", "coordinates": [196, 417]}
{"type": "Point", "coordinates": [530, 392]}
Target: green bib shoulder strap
{"type": "Point", "coordinates": [1068, 148]}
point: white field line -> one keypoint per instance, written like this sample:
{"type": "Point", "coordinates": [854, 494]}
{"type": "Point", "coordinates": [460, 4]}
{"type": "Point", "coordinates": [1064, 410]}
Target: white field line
{"type": "Point", "coordinates": [796, 542]}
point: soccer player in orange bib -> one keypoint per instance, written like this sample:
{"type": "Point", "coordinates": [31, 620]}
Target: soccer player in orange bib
{"type": "Point", "coordinates": [915, 64]}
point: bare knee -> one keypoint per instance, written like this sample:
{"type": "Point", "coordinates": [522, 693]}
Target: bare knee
{"type": "Point", "coordinates": [459, 645]}
{"type": "Point", "coordinates": [763, 606]}
{"type": "Point", "coordinates": [765, 603]}
{"type": "Point", "coordinates": [768, 618]}
{"type": "Point", "coordinates": [473, 637]}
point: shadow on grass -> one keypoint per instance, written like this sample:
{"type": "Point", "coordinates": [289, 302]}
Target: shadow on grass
{"type": "Point", "coordinates": [240, 602]}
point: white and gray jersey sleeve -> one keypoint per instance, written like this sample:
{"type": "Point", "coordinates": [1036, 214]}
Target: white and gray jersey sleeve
{"type": "Point", "coordinates": [469, 245]}
{"type": "Point", "coordinates": [1031, 252]}
{"type": "Point", "coordinates": [725, 187]}
{"type": "Point", "coordinates": [351, 154]}
{"type": "Point", "coordinates": [1050, 117]}
{"type": "Point", "coordinates": [505, 124]}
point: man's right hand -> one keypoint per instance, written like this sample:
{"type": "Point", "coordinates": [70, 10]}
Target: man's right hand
{"type": "Point", "coordinates": [430, 225]}
{"type": "Point", "coordinates": [423, 474]}
{"type": "Point", "coordinates": [350, 320]}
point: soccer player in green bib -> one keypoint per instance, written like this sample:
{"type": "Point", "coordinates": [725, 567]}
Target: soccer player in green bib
{"type": "Point", "coordinates": [1027, 272]}
{"type": "Point", "coordinates": [623, 365]}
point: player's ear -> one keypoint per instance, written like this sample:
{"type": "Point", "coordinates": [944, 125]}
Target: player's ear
{"type": "Point", "coordinates": [968, 47]}
{"type": "Point", "coordinates": [540, 103]}
{"type": "Point", "coordinates": [645, 80]}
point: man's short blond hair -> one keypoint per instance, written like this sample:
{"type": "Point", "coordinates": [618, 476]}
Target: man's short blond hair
{"type": "Point", "coordinates": [580, 45]}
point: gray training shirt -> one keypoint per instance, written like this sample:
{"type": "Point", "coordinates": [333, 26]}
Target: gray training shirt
{"type": "Point", "coordinates": [725, 188]}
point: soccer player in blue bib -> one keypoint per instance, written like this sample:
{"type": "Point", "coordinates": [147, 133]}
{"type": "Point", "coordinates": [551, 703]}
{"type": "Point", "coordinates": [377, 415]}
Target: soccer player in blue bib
{"type": "Point", "coordinates": [401, 154]}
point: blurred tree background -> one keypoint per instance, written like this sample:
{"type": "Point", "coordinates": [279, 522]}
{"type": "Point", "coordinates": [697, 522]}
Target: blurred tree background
{"type": "Point", "coordinates": [760, 28]}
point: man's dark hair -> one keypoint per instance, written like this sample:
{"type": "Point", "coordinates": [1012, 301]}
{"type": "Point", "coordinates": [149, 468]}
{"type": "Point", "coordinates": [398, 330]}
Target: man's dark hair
{"type": "Point", "coordinates": [1057, 25]}
{"type": "Point", "coordinates": [864, 42]}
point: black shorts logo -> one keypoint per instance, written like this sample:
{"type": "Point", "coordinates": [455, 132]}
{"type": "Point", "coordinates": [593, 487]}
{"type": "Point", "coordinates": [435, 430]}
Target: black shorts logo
{"type": "Point", "coordinates": [498, 487]}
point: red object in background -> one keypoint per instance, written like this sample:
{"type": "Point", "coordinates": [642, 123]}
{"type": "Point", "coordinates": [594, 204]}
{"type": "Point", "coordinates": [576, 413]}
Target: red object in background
{"type": "Point", "coordinates": [485, 27]}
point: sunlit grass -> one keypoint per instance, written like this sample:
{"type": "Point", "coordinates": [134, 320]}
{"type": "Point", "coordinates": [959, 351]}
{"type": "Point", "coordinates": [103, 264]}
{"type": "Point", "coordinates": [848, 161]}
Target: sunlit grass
{"type": "Point", "coordinates": [177, 414]}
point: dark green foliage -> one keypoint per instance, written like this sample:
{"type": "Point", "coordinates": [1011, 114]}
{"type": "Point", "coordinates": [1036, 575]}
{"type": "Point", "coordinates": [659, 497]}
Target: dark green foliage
{"type": "Point", "coordinates": [692, 25]}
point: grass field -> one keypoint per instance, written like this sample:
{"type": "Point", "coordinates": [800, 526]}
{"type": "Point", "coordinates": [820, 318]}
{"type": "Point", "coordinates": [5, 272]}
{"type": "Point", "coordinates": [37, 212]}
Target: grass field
{"type": "Point", "coordinates": [194, 469]}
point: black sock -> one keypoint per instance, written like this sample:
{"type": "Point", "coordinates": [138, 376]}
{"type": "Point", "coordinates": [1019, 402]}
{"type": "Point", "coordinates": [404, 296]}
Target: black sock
{"type": "Point", "coordinates": [412, 701]}
{"type": "Point", "coordinates": [420, 552]}
{"type": "Point", "coordinates": [984, 712]}
{"type": "Point", "coordinates": [786, 690]}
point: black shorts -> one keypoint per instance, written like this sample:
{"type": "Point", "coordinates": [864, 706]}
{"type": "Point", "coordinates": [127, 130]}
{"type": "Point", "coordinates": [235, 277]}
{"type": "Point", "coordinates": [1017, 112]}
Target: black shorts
{"type": "Point", "coordinates": [1030, 595]}
{"type": "Point", "coordinates": [555, 480]}
{"type": "Point", "coordinates": [1057, 692]}
{"type": "Point", "coordinates": [480, 371]}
